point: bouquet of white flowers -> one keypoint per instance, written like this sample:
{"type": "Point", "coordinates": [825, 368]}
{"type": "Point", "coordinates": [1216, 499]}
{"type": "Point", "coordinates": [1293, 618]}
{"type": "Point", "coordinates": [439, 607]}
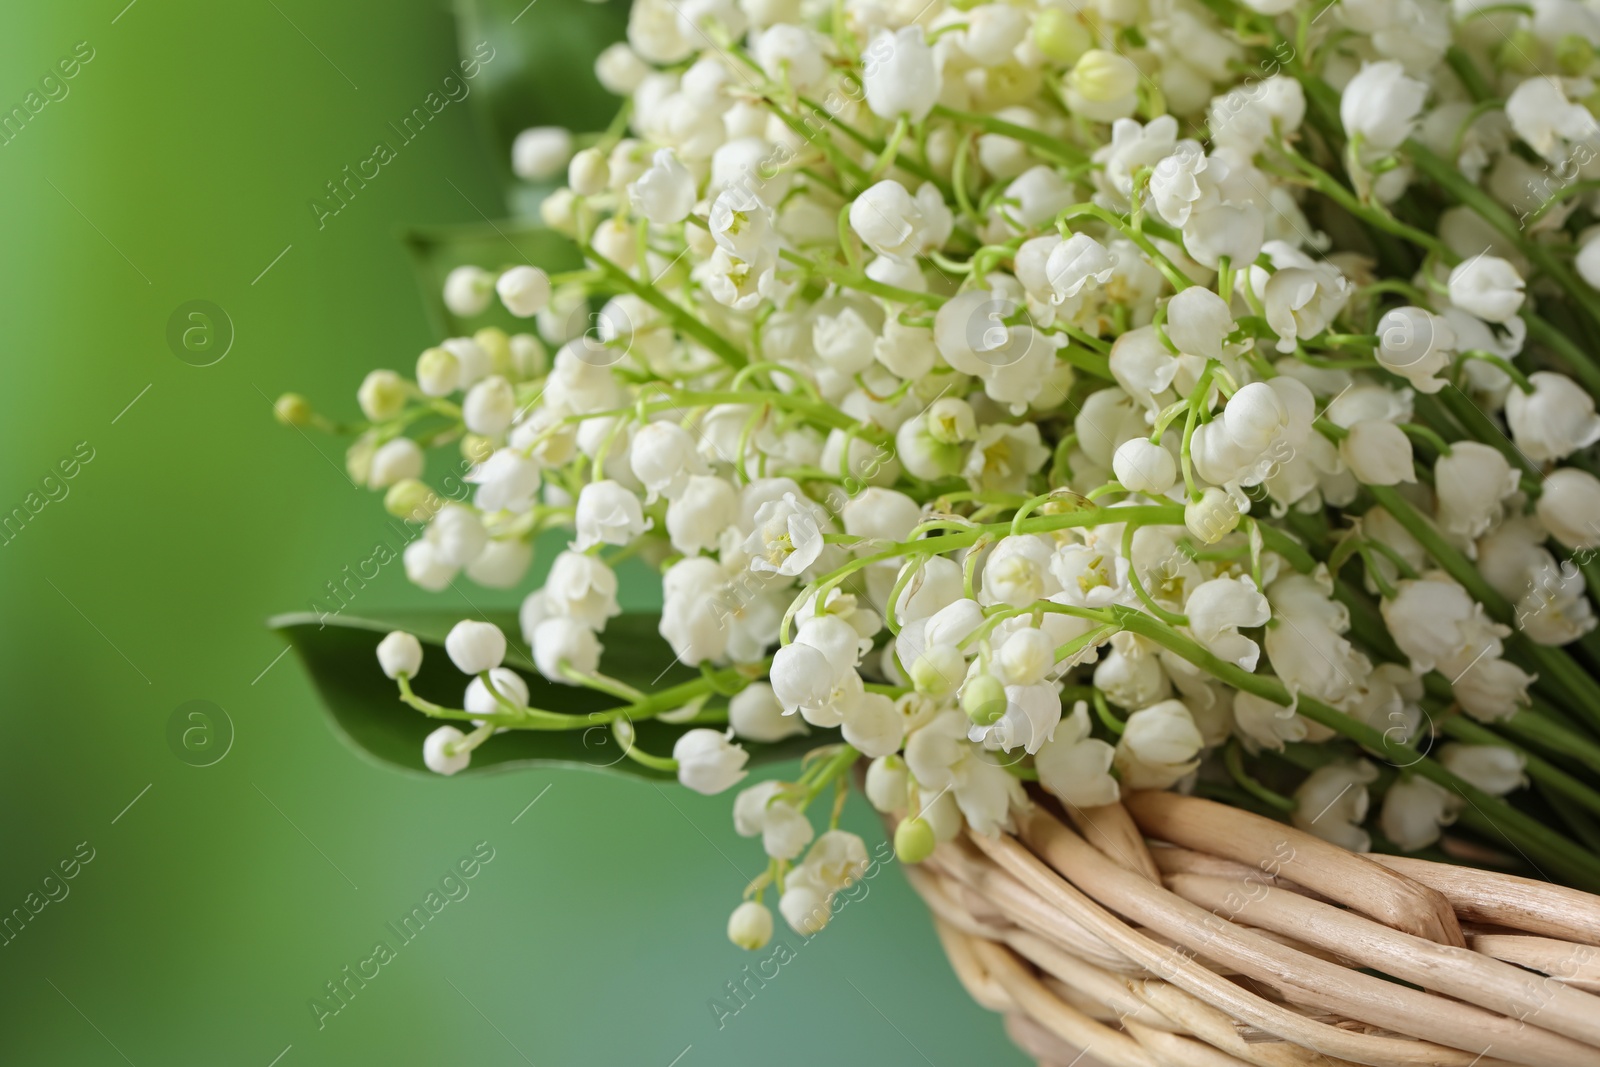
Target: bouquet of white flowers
{"type": "Point", "coordinates": [1030, 406]}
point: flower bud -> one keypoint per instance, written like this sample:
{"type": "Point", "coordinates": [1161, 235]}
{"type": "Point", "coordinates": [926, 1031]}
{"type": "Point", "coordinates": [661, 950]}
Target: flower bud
{"type": "Point", "coordinates": [559, 211]}
{"type": "Point", "coordinates": [1587, 261]}
{"type": "Point", "coordinates": [476, 448]}
{"type": "Point", "coordinates": [394, 461]}
{"type": "Point", "coordinates": [358, 458]}
{"type": "Point", "coordinates": [1414, 811]}
{"type": "Point", "coordinates": [438, 372]}
{"type": "Point", "coordinates": [1144, 466]}
{"type": "Point", "coordinates": [1574, 54]}
{"type": "Point", "coordinates": [443, 752]}
{"type": "Point", "coordinates": [617, 241]}
{"type": "Point", "coordinates": [467, 291]}
{"type": "Point", "coordinates": [887, 778]}
{"type": "Point", "coordinates": [475, 647]}
{"type": "Point", "coordinates": [983, 698]}
{"type": "Point", "coordinates": [750, 926]}
{"type": "Point", "coordinates": [426, 568]}
{"type": "Point", "coordinates": [382, 395]}
{"type": "Point", "coordinates": [1212, 517]}
{"type": "Point", "coordinates": [528, 357]}
{"type": "Point", "coordinates": [292, 409]}
{"type": "Point", "coordinates": [411, 500]}
{"type": "Point", "coordinates": [913, 840]}
{"type": "Point", "coordinates": [400, 654]}
{"type": "Point", "coordinates": [525, 291]}
{"type": "Point", "coordinates": [1060, 35]}
{"type": "Point", "coordinates": [560, 643]}
{"type": "Point", "coordinates": [1101, 76]}
{"type": "Point", "coordinates": [805, 909]}
{"type": "Point", "coordinates": [620, 70]}
{"type": "Point", "coordinates": [489, 407]}
{"type": "Point", "coordinates": [496, 344]}
{"type": "Point", "coordinates": [938, 670]}
{"type": "Point", "coordinates": [540, 153]}
{"type": "Point", "coordinates": [588, 174]}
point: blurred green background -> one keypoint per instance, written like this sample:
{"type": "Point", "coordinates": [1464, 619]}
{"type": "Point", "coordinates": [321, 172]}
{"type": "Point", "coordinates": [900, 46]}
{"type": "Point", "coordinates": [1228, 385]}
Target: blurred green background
{"type": "Point", "coordinates": [178, 166]}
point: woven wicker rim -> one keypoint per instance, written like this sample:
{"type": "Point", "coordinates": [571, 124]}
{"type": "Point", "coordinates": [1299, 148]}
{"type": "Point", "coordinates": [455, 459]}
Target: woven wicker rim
{"type": "Point", "coordinates": [1228, 938]}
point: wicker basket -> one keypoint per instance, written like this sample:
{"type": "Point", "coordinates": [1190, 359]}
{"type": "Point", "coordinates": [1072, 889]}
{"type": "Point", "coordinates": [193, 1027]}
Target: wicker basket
{"type": "Point", "coordinates": [1227, 938]}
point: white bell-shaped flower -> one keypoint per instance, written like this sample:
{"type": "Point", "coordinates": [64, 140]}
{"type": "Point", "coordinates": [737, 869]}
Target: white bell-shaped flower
{"type": "Point", "coordinates": [1219, 609]}
{"type": "Point", "coordinates": [1415, 810]}
{"type": "Point", "coordinates": [755, 714]}
{"type": "Point", "coordinates": [750, 926]}
{"type": "Point", "coordinates": [1075, 767]}
{"type": "Point", "coordinates": [901, 74]}
{"type": "Point", "coordinates": [1569, 507]}
{"type": "Point", "coordinates": [1487, 286]}
{"type": "Point", "coordinates": [1380, 105]}
{"type": "Point", "coordinates": [524, 290]}
{"type": "Point", "coordinates": [787, 537]}
{"type": "Point", "coordinates": [663, 457]}
{"type": "Point", "coordinates": [507, 481]}
{"type": "Point", "coordinates": [400, 653]}
{"type": "Point", "coordinates": [1079, 262]}
{"type": "Point", "coordinates": [1144, 466]}
{"type": "Point", "coordinates": [1378, 453]}
{"type": "Point", "coordinates": [475, 646]}
{"type": "Point", "coordinates": [1555, 420]}
{"type": "Point", "coordinates": [1495, 769]}
{"type": "Point", "coordinates": [560, 643]}
{"type": "Point", "coordinates": [899, 226]}
{"type": "Point", "coordinates": [1416, 344]}
{"type": "Point", "coordinates": [1472, 483]}
{"type": "Point", "coordinates": [1159, 745]}
{"type": "Point", "coordinates": [458, 535]}
{"type": "Point", "coordinates": [1332, 803]}
{"type": "Point", "coordinates": [608, 514]}
{"type": "Point", "coordinates": [701, 511]}
{"type": "Point", "coordinates": [709, 761]}
{"type": "Point", "coordinates": [580, 586]}
{"type": "Point", "coordinates": [665, 192]}
{"type": "Point", "coordinates": [444, 751]}
{"type": "Point", "coordinates": [541, 152]}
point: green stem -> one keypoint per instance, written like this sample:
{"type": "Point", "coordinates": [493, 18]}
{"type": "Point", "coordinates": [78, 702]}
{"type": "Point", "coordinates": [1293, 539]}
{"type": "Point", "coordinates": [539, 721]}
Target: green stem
{"type": "Point", "coordinates": [1468, 72]}
{"type": "Point", "coordinates": [1103, 712]}
{"type": "Point", "coordinates": [1233, 759]}
{"type": "Point", "coordinates": [838, 764]}
{"type": "Point", "coordinates": [1047, 146]}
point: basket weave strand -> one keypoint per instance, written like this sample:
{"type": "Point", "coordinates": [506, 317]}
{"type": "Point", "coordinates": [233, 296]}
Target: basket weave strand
{"type": "Point", "coordinates": [1169, 930]}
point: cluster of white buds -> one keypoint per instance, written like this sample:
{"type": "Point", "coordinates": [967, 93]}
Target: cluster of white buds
{"type": "Point", "coordinates": [1024, 392]}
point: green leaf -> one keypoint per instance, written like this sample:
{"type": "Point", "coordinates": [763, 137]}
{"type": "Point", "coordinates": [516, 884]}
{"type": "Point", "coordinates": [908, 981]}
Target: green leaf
{"type": "Point", "coordinates": [340, 654]}
{"type": "Point", "coordinates": [437, 250]}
